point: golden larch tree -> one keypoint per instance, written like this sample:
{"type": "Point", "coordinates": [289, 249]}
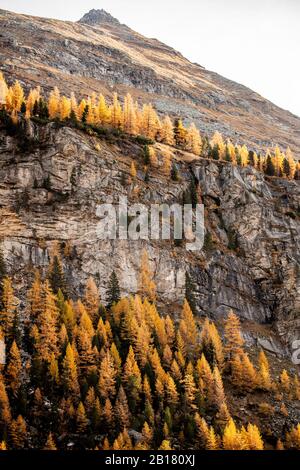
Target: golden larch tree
{"type": "Point", "coordinates": [133, 170]}
{"type": "Point", "coordinates": [9, 308]}
{"type": "Point", "coordinates": [18, 432]}
{"type": "Point", "coordinates": [244, 155]}
{"type": "Point", "coordinates": [147, 433]}
{"type": "Point", "coordinates": [82, 421]}
{"type": "Point", "coordinates": [264, 377]}
{"type": "Point", "coordinates": [121, 410]}
{"type": "Point", "coordinates": [232, 439]}
{"type": "Point", "coordinates": [219, 393]}
{"type": "Point", "coordinates": [107, 377]}
{"type": "Point", "coordinates": [147, 287]}
{"type": "Point", "coordinates": [253, 439]}
{"type": "Point", "coordinates": [48, 324]}
{"type": "Point", "coordinates": [64, 108]}
{"type": "Point", "coordinates": [291, 162]}
{"type": "Point", "coordinates": [74, 104]}
{"type": "Point", "coordinates": [285, 381]}
{"type": "Point", "coordinates": [190, 391]}
{"type": "Point", "coordinates": [202, 431]}
{"type": "Point", "coordinates": [5, 412]}
{"type": "Point", "coordinates": [193, 140]}
{"type": "Point", "coordinates": [132, 379]}
{"type": "Point", "coordinates": [108, 415]}
{"type": "Point", "coordinates": [212, 440]}
{"type": "Point", "coordinates": [167, 131]}
{"type": "Point", "coordinates": [205, 376]}
{"type": "Point", "coordinates": [33, 97]}
{"type": "Point", "coordinates": [35, 298]}
{"type": "Point", "coordinates": [116, 113]}
{"type": "Point", "coordinates": [217, 140]}
{"type": "Point", "coordinates": [249, 374]}
{"type": "Point", "coordinates": [165, 445]}
{"type": "Point", "coordinates": [149, 124]}
{"type": "Point", "coordinates": [171, 392]}
{"type": "Point", "coordinates": [188, 329]}
{"type": "Point", "coordinates": [293, 438]}
{"type": "Point", "coordinates": [233, 337]}
{"type": "Point", "coordinates": [69, 372]}
{"type": "Point", "coordinates": [54, 103]}
{"type": "Point", "coordinates": [180, 133]}
{"type": "Point", "coordinates": [103, 111]}
{"type": "Point", "coordinates": [129, 116]}
{"type": "Point", "coordinates": [14, 369]}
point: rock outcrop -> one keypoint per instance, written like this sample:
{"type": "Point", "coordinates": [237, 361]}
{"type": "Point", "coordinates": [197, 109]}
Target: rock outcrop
{"type": "Point", "coordinates": [98, 17]}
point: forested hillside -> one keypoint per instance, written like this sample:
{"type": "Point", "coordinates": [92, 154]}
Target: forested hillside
{"type": "Point", "coordinates": [83, 375]}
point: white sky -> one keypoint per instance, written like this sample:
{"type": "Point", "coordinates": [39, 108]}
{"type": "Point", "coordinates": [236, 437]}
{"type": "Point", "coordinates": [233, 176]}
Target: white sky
{"type": "Point", "coordinates": [253, 42]}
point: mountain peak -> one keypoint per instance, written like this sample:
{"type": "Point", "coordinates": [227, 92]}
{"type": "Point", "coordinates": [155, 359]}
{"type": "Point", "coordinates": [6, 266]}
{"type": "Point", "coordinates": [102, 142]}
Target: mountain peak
{"type": "Point", "coordinates": [98, 17]}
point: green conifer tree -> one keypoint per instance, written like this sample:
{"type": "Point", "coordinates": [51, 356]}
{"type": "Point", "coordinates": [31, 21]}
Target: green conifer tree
{"type": "Point", "coordinates": [113, 291]}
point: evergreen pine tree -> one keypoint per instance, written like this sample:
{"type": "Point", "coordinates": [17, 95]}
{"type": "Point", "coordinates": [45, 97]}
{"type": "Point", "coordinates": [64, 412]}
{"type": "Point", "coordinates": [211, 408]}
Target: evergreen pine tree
{"type": "Point", "coordinates": [233, 336]}
{"type": "Point", "coordinates": [174, 173]}
{"type": "Point", "coordinates": [146, 155]}
{"type": "Point", "coordinates": [85, 114]}
{"type": "Point", "coordinates": [121, 410]}
{"type": "Point", "coordinates": [251, 158]}
{"type": "Point", "coordinates": [286, 167]}
{"type": "Point", "coordinates": [18, 433]}
{"type": "Point", "coordinates": [189, 292]}
{"type": "Point", "coordinates": [193, 193]}
{"type": "Point", "coordinates": [69, 372]}
{"type": "Point", "coordinates": [9, 308]}
{"type": "Point", "coordinates": [113, 290]}
{"type": "Point", "coordinates": [270, 169]}
{"type": "Point", "coordinates": [81, 420]}
{"type": "Point", "coordinates": [147, 286]}
{"type": "Point", "coordinates": [107, 377]}
{"type": "Point", "coordinates": [56, 275]}
{"type": "Point", "coordinates": [179, 133]}
{"type": "Point", "coordinates": [5, 412]}
{"type": "Point", "coordinates": [227, 154]}
{"type": "Point", "coordinates": [14, 369]}
{"type": "Point", "coordinates": [92, 300]}
{"type": "Point", "coordinates": [215, 152]}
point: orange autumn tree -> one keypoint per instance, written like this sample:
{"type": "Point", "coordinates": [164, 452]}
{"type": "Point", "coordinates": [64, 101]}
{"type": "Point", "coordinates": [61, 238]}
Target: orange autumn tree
{"type": "Point", "coordinates": [147, 287]}
{"type": "Point", "coordinates": [126, 115]}
{"type": "Point", "coordinates": [233, 337]}
{"type": "Point", "coordinates": [9, 308]}
{"type": "Point", "coordinates": [188, 330]}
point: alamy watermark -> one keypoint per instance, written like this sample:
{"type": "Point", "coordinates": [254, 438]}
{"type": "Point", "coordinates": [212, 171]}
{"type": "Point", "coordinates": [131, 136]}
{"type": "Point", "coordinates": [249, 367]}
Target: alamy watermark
{"type": "Point", "coordinates": [155, 222]}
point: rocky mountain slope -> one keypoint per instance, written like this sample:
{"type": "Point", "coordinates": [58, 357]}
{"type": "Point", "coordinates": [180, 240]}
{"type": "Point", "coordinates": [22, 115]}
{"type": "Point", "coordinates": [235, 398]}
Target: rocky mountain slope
{"type": "Point", "coordinates": [49, 193]}
{"type": "Point", "coordinates": [100, 54]}
{"type": "Point", "coordinates": [49, 190]}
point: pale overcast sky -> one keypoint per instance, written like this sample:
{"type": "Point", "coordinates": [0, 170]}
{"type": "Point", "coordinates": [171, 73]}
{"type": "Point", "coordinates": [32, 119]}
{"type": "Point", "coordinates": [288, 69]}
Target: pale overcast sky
{"type": "Point", "coordinates": [254, 42]}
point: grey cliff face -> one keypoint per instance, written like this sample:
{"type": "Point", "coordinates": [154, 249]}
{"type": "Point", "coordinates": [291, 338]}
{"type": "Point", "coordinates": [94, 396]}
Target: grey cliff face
{"type": "Point", "coordinates": [49, 195]}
